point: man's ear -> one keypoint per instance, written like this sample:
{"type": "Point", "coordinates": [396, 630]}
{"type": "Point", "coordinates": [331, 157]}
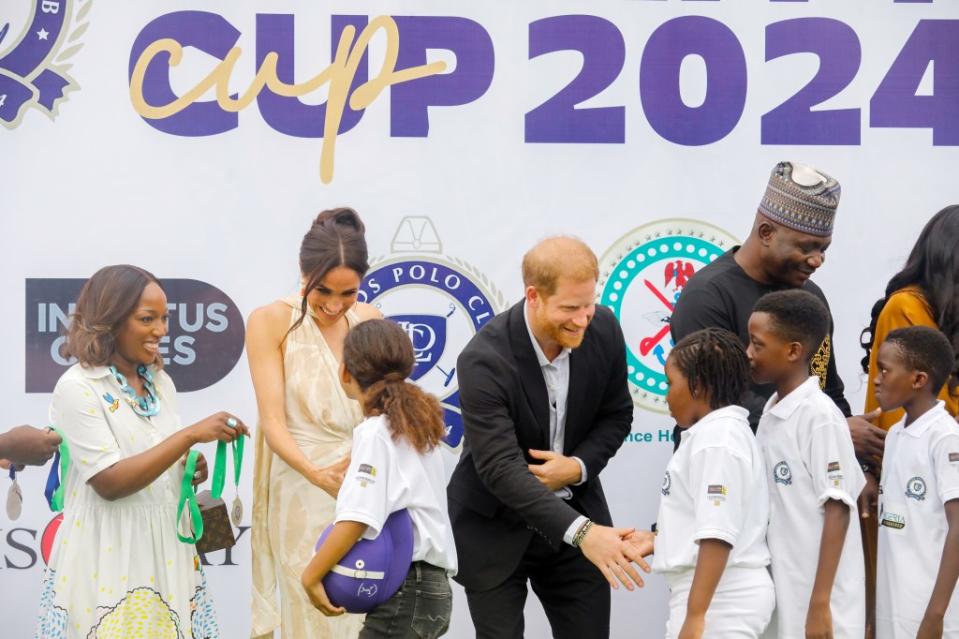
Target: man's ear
{"type": "Point", "coordinates": [532, 295]}
{"type": "Point", "coordinates": [920, 379]}
{"type": "Point", "coordinates": [765, 231]}
{"type": "Point", "coordinates": [345, 376]}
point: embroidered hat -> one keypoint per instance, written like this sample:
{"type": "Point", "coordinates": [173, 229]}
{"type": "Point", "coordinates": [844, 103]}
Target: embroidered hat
{"type": "Point", "coordinates": [374, 569]}
{"type": "Point", "coordinates": [801, 198]}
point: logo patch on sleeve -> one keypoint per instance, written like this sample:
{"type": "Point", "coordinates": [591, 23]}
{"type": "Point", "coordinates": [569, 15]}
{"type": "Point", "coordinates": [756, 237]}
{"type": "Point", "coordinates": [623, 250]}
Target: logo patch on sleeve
{"type": "Point", "coordinates": [365, 474]}
{"type": "Point", "coordinates": [833, 467]}
{"type": "Point", "coordinates": [716, 492]}
{"type": "Point", "coordinates": [954, 457]}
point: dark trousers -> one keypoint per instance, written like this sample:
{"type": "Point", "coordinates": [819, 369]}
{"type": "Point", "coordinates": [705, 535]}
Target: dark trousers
{"type": "Point", "coordinates": [420, 609]}
{"type": "Point", "coordinates": [573, 592]}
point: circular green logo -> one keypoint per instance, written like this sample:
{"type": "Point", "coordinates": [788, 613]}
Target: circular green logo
{"type": "Point", "coordinates": [641, 278]}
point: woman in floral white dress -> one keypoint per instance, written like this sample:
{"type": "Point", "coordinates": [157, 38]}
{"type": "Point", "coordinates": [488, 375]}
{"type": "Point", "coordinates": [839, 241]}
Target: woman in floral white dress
{"type": "Point", "coordinates": [118, 570]}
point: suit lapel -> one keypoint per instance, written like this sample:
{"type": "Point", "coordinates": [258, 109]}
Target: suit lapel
{"type": "Point", "coordinates": [531, 376]}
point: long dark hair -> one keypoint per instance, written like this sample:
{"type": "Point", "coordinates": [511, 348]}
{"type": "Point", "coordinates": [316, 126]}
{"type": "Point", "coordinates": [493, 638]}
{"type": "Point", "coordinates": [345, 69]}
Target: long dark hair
{"type": "Point", "coordinates": [106, 301]}
{"type": "Point", "coordinates": [932, 267]}
{"type": "Point", "coordinates": [714, 363]}
{"type": "Point", "coordinates": [378, 354]}
{"type": "Point", "coordinates": [336, 238]}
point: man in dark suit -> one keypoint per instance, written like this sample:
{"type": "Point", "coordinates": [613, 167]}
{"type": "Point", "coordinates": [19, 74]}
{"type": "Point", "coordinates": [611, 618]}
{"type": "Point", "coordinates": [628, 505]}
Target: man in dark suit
{"type": "Point", "coordinates": [545, 406]}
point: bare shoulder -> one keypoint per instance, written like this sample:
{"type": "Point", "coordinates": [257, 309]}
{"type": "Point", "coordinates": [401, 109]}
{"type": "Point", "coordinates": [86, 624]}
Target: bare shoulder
{"type": "Point", "coordinates": [367, 312]}
{"type": "Point", "coordinates": [271, 320]}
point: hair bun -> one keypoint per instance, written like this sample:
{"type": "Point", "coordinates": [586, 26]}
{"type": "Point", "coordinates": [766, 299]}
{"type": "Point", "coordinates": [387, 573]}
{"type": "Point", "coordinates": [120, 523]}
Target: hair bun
{"type": "Point", "coordinates": [340, 217]}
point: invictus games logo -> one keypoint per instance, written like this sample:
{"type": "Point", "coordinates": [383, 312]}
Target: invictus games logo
{"type": "Point", "coordinates": [203, 343]}
{"type": "Point", "coordinates": [441, 302]}
{"type": "Point", "coordinates": [37, 40]}
{"type": "Point", "coordinates": [642, 275]}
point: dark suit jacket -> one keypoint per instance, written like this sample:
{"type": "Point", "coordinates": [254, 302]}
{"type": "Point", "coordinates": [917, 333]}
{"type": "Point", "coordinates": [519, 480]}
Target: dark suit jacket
{"type": "Point", "coordinates": [495, 503]}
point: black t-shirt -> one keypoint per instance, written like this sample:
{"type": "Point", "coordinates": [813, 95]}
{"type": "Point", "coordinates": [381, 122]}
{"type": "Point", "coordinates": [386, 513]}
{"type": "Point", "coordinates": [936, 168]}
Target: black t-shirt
{"type": "Point", "coordinates": [722, 295]}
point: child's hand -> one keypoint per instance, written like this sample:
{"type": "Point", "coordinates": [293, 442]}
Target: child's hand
{"type": "Point", "coordinates": [819, 622]}
{"type": "Point", "coordinates": [321, 602]}
{"type": "Point", "coordinates": [642, 540]}
{"type": "Point", "coordinates": [930, 628]}
{"type": "Point", "coordinates": [693, 627]}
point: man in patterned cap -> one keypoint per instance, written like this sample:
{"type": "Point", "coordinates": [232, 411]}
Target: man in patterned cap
{"type": "Point", "coordinates": [791, 232]}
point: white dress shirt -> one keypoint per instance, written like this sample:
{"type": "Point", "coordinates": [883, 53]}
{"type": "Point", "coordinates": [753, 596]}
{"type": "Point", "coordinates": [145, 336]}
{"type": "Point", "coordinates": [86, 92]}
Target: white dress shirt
{"type": "Point", "coordinates": [556, 376]}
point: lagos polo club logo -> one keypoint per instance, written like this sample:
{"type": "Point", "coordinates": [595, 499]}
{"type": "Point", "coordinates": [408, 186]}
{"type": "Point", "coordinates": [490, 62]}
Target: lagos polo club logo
{"type": "Point", "coordinates": [641, 277]}
{"type": "Point", "coordinates": [441, 302]}
{"type": "Point", "coordinates": [203, 343]}
{"type": "Point", "coordinates": [34, 50]}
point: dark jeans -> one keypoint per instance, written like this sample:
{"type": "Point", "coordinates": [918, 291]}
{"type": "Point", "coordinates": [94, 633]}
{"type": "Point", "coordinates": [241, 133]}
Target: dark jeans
{"type": "Point", "coordinates": [420, 609]}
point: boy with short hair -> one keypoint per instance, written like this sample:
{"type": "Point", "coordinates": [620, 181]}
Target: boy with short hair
{"type": "Point", "coordinates": [919, 490]}
{"type": "Point", "coordinates": [814, 478]}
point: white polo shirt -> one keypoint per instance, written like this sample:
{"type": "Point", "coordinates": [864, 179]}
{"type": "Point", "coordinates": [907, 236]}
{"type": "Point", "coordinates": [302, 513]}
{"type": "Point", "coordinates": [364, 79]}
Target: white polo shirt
{"type": "Point", "coordinates": [714, 488]}
{"type": "Point", "coordinates": [810, 459]}
{"type": "Point", "coordinates": [920, 472]}
{"type": "Point", "coordinates": [386, 475]}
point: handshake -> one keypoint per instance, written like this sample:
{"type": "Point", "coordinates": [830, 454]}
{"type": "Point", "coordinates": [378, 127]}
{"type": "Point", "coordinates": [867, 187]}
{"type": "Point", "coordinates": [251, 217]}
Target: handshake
{"type": "Point", "coordinates": [615, 550]}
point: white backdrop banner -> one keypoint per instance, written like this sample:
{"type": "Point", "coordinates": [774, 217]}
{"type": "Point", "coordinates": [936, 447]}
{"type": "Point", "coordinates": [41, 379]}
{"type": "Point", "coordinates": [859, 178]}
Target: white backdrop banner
{"type": "Point", "coordinates": [199, 140]}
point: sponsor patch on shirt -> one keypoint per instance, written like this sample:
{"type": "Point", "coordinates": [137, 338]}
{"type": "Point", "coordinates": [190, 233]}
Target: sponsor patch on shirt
{"type": "Point", "coordinates": [716, 492]}
{"type": "Point", "coordinates": [954, 457]}
{"type": "Point", "coordinates": [365, 475]}
{"type": "Point", "coordinates": [892, 520]}
{"type": "Point", "coordinates": [834, 472]}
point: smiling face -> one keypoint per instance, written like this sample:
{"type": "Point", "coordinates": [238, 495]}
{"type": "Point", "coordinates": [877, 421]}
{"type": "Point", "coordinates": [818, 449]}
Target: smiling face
{"type": "Point", "coordinates": [561, 318]}
{"type": "Point", "coordinates": [789, 256]}
{"type": "Point", "coordinates": [335, 295]}
{"type": "Point", "coordinates": [138, 337]}
{"type": "Point", "coordinates": [896, 382]}
{"type": "Point", "coordinates": [770, 356]}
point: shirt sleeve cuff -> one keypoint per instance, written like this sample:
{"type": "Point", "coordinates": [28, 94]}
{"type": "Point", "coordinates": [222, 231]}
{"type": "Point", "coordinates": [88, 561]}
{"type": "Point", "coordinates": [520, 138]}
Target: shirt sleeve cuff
{"type": "Point", "coordinates": [573, 527]}
{"type": "Point", "coordinates": [582, 472]}
{"type": "Point", "coordinates": [716, 533]}
{"type": "Point", "coordinates": [839, 495]}
{"type": "Point", "coordinates": [373, 526]}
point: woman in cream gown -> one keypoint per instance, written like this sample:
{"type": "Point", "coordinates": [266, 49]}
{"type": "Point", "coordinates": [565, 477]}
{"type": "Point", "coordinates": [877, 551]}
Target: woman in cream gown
{"type": "Point", "coordinates": [306, 425]}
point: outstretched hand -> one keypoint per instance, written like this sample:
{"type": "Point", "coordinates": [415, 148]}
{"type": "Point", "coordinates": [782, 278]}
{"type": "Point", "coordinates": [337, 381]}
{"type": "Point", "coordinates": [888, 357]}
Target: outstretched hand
{"type": "Point", "coordinates": [607, 549]}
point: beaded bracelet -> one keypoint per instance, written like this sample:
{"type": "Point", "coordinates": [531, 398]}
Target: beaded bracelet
{"type": "Point", "coordinates": [581, 533]}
